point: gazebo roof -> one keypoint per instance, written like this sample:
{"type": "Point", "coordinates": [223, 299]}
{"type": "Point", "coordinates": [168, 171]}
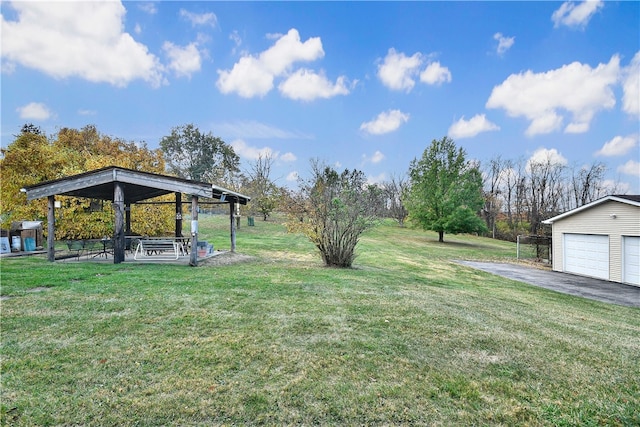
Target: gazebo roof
{"type": "Point", "coordinates": [99, 184]}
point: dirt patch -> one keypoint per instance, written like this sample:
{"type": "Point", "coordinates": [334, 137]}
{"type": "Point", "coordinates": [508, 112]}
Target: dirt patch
{"type": "Point", "coordinates": [226, 258]}
{"type": "Point", "coordinates": [38, 289]}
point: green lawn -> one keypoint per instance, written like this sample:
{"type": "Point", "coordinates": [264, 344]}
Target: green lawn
{"type": "Point", "coordinates": [407, 337]}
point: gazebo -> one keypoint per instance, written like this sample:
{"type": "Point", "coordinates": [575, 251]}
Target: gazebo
{"type": "Point", "coordinates": [124, 187]}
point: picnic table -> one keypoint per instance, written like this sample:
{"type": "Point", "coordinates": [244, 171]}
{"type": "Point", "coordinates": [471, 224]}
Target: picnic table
{"type": "Point", "coordinates": [88, 246]}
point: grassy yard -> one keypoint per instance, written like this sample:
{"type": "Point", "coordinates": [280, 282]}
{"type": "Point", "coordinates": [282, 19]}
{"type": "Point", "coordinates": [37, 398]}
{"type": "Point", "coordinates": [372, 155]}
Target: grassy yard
{"type": "Point", "coordinates": [407, 337]}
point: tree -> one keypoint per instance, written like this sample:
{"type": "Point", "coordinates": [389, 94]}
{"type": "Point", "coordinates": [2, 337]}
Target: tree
{"type": "Point", "coordinates": [492, 203]}
{"type": "Point", "coordinates": [393, 191]}
{"type": "Point", "coordinates": [191, 154]}
{"type": "Point", "coordinates": [445, 191]}
{"type": "Point", "coordinates": [263, 191]}
{"type": "Point", "coordinates": [546, 184]}
{"type": "Point", "coordinates": [28, 160]}
{"type": "Point", "coordinates": [587, 184]}
{"type": "Point", "coordinates": [33, 158]}
{"type": "Point", "coordinates": [333, 210]}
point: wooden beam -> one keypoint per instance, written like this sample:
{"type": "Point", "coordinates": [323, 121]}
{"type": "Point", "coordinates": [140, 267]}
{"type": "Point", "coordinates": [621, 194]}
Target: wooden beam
{"type": "Point", "coordinates": [118, 235]}
{"type": "Point", "coordinates": [193, 255]}
{"type": "Point", "coordinates": [51, 230]}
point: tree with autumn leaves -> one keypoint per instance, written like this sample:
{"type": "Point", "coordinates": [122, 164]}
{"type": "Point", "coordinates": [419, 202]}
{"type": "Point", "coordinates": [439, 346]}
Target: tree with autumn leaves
{"type": "Point", "coordinates": [33, 158]}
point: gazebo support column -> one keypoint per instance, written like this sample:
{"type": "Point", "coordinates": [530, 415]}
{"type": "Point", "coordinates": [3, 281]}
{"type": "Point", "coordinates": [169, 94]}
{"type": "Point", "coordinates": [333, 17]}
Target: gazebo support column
{"type": "Point", "coordinates": [232, 211]}
{"type": "Point", "coordinates": [127, 219]}
{"type": "Point", "coordinates": [51, 229]}
{"type": "Point", "coordinates": [178, 214]}
{"type": "Point", "coordinates": [193, 255]}
{"type": "Point", "coordinates": [118, 235]}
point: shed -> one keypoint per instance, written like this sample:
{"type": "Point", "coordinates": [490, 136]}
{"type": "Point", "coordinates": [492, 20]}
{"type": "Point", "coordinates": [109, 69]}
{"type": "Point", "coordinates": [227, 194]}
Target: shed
{"type": "Point", "coordinates": [124, 186]}
{"type": "Point", "coordinates": [600, 239]}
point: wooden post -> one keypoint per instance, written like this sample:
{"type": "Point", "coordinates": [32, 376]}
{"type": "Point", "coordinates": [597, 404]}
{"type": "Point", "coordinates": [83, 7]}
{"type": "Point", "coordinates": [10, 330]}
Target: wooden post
{"type": "Point", "coordinates": [51, 230]}
{"type": "Point", "coordinates": [178, 214]}
{"type": "Point", "coordinates": [127, 219]}
{"type": "Point", "coordinates": [118, 232]}
{"type": "Point", "coordinates": [232, 211]}
{"type": "Point", "coordinates": [193, 255]}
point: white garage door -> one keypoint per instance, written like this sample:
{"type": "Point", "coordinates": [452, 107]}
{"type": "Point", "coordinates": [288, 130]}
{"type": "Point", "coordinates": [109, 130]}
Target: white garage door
{"type": "Point", "coordinates": [587, 254]}
{"type": "Point", "coordinates": [631, 260]}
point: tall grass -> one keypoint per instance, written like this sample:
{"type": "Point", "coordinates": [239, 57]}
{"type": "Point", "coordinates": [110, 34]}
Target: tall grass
{"type": "Point", "coordinates": [406, 337]}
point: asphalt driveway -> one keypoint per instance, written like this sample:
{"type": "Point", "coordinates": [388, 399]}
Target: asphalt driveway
{"type": "Point", "coordinates": [586, 287]}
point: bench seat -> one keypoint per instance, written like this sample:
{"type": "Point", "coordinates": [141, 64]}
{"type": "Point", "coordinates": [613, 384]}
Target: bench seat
{"type": "Point", "coordinates": [158, 249]}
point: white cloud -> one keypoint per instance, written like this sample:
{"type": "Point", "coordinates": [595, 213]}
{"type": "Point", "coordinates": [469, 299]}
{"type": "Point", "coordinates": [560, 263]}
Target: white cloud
{"type": "Point", "coordinates": [249, 152]}
{"type": "Point", "coordinates": [246, 151]}
{"type": "Point", "coordinates": [137, 29]}
{"type": "Point", "coordinates": [397, 71]}
{"type": "Point", "coordinates": [377, 157]}
{"type": "Point", "coordinates": [387, 121]}
{"type": "Point", "coordinates": [292, 176]}
{"type": "Point", "coordinates": [373, 180]}
{"type": "Point", "coordinates": [307, 85]}
{"type": "Point", "coordinates": [288, 157]}
{"type": "Point", "coordinates": [87, 112]}
{"type": "Point", "coordinates": [435, 74]}
{"type": "Point", "coordinates": [573, 15]}
{"type": "Point", "coordinates": [184, 61]}
{"type": "Point", "coordinates": [251, 129]}
{"type": "Point", "coordinates": [148, 7]}
{"type": "Point", "coordinates": [544, 156]}
{"type": "Point", "coordinates": [618, 146]}
{"type": "Point", "coordinates": [610, 186]}
{"type": "Point", "coordinates": [631, 87]}
{"type": "Point", "coordinates": [237, 41]}
{"type": "Point", "coordinates": [576, 88]}
{"type": "Point", "coordinates": [248, 78]}
{"type": "Point", "coordinates": [630, 168]}
{"type": "Point", "coordinates": [472, 127]}
{"type": "Point", "coordinates": [34, 111]}
{"type": "Point", "coordinates": [253, 75]}
{"type": "Point", "coordinates": [504, 43]}
{"type": "Point", "coordinates": [197, 19]}
{"type": "Point", "coordinates": [83, 39]}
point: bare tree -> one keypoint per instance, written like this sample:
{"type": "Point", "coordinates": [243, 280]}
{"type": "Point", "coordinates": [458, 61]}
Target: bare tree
{"type": "Point", "coordinates": [393, 192]}
{"type": "Point", "coordinates": [587, 183]}
{"type": "Point", "coordinates": [492, 179]}
{"type": "Point", "coordinates": [333, 210]}
{"type": "Point", "coordinates": [545, 190]}
{"type": "Point", "coordinates": [263, 191]}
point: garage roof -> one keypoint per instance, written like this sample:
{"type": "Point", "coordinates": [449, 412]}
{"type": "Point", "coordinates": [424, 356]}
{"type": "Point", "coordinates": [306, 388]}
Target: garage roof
{"type": "Point", "coordinates": [99, 184]}
{"type": "Point", "coordinates": [633, 200]}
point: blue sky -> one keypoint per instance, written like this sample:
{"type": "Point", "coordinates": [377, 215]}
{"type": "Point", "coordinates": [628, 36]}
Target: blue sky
{"type": "Point", "coordinates": [364, 85]}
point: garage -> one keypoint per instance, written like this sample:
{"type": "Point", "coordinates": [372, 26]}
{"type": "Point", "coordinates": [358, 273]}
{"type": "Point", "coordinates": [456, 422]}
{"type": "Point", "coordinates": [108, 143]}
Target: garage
{"type": "Point", "coordinates": [631, 260]}
{"type": "Point", "coordinates": [600, 239]}
{"type": "Point", "coordinates": [587, 255]}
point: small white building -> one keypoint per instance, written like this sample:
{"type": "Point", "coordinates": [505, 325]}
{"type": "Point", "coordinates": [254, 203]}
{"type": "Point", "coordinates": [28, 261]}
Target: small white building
{"type": "Point", "coordinates": [600, 239]}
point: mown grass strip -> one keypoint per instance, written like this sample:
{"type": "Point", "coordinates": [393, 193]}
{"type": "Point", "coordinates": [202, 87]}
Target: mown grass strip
{"type": "Point", "coordinates": [406, 337]}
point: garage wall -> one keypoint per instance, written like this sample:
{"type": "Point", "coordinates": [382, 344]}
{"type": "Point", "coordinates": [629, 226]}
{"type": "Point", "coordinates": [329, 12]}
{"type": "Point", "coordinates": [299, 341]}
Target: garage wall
{"type": "Point", "coordinates": [597, 220]}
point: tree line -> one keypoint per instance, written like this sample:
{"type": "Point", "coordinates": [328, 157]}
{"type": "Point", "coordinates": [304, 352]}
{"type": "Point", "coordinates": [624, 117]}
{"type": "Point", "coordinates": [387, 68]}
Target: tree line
{"type": "Point", "coordinates": [442, 190]}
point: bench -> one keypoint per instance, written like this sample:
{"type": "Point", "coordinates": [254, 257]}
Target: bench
{"type": "Point", "coordinates": [75, 246]}
{"type": "Point", "coordinates": [157, 248]}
